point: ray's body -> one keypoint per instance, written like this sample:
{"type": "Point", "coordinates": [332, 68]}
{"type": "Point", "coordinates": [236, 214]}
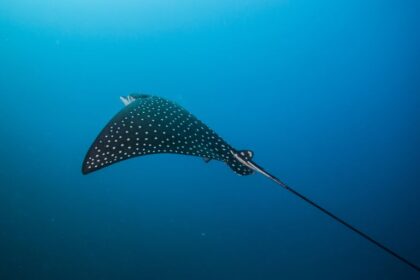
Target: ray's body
{"type": "Point", "coordinates": [152, 125]}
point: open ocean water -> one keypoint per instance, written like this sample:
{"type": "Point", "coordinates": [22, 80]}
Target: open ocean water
{"type": "Point", "coordinates": [326, 93]}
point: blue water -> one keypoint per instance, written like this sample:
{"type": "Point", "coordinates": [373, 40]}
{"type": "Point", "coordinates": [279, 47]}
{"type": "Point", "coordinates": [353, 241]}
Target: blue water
{"type": "Point", "coordinates": [326, 93]}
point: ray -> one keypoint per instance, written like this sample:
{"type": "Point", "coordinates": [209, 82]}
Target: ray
{"type": "Point", "coordinates": [153, 125]}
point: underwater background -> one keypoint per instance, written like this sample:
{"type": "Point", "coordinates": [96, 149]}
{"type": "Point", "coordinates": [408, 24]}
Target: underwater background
{"type": "Point", "coordinates": [326, 93]}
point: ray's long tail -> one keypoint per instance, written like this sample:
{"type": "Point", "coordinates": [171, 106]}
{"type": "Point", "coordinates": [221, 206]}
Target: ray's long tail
{"type": "Point", "coordinates": [259, 169]}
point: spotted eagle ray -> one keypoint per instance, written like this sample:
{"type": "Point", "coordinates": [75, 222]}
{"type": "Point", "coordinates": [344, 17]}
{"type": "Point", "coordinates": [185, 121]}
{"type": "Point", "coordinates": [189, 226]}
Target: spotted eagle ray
{"type": "Point", "coordinates": [154, 125]}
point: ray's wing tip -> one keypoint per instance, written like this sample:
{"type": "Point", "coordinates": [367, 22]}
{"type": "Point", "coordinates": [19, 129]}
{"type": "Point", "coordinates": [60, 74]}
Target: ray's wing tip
{"type": "Point", "coordinates": [85, 167]}
{"type": "Point", "coordinates": [85, 170]}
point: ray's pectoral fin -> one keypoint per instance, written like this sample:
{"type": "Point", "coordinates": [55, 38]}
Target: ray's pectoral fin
{"type": "Point", "coordinates": [237, 162]}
